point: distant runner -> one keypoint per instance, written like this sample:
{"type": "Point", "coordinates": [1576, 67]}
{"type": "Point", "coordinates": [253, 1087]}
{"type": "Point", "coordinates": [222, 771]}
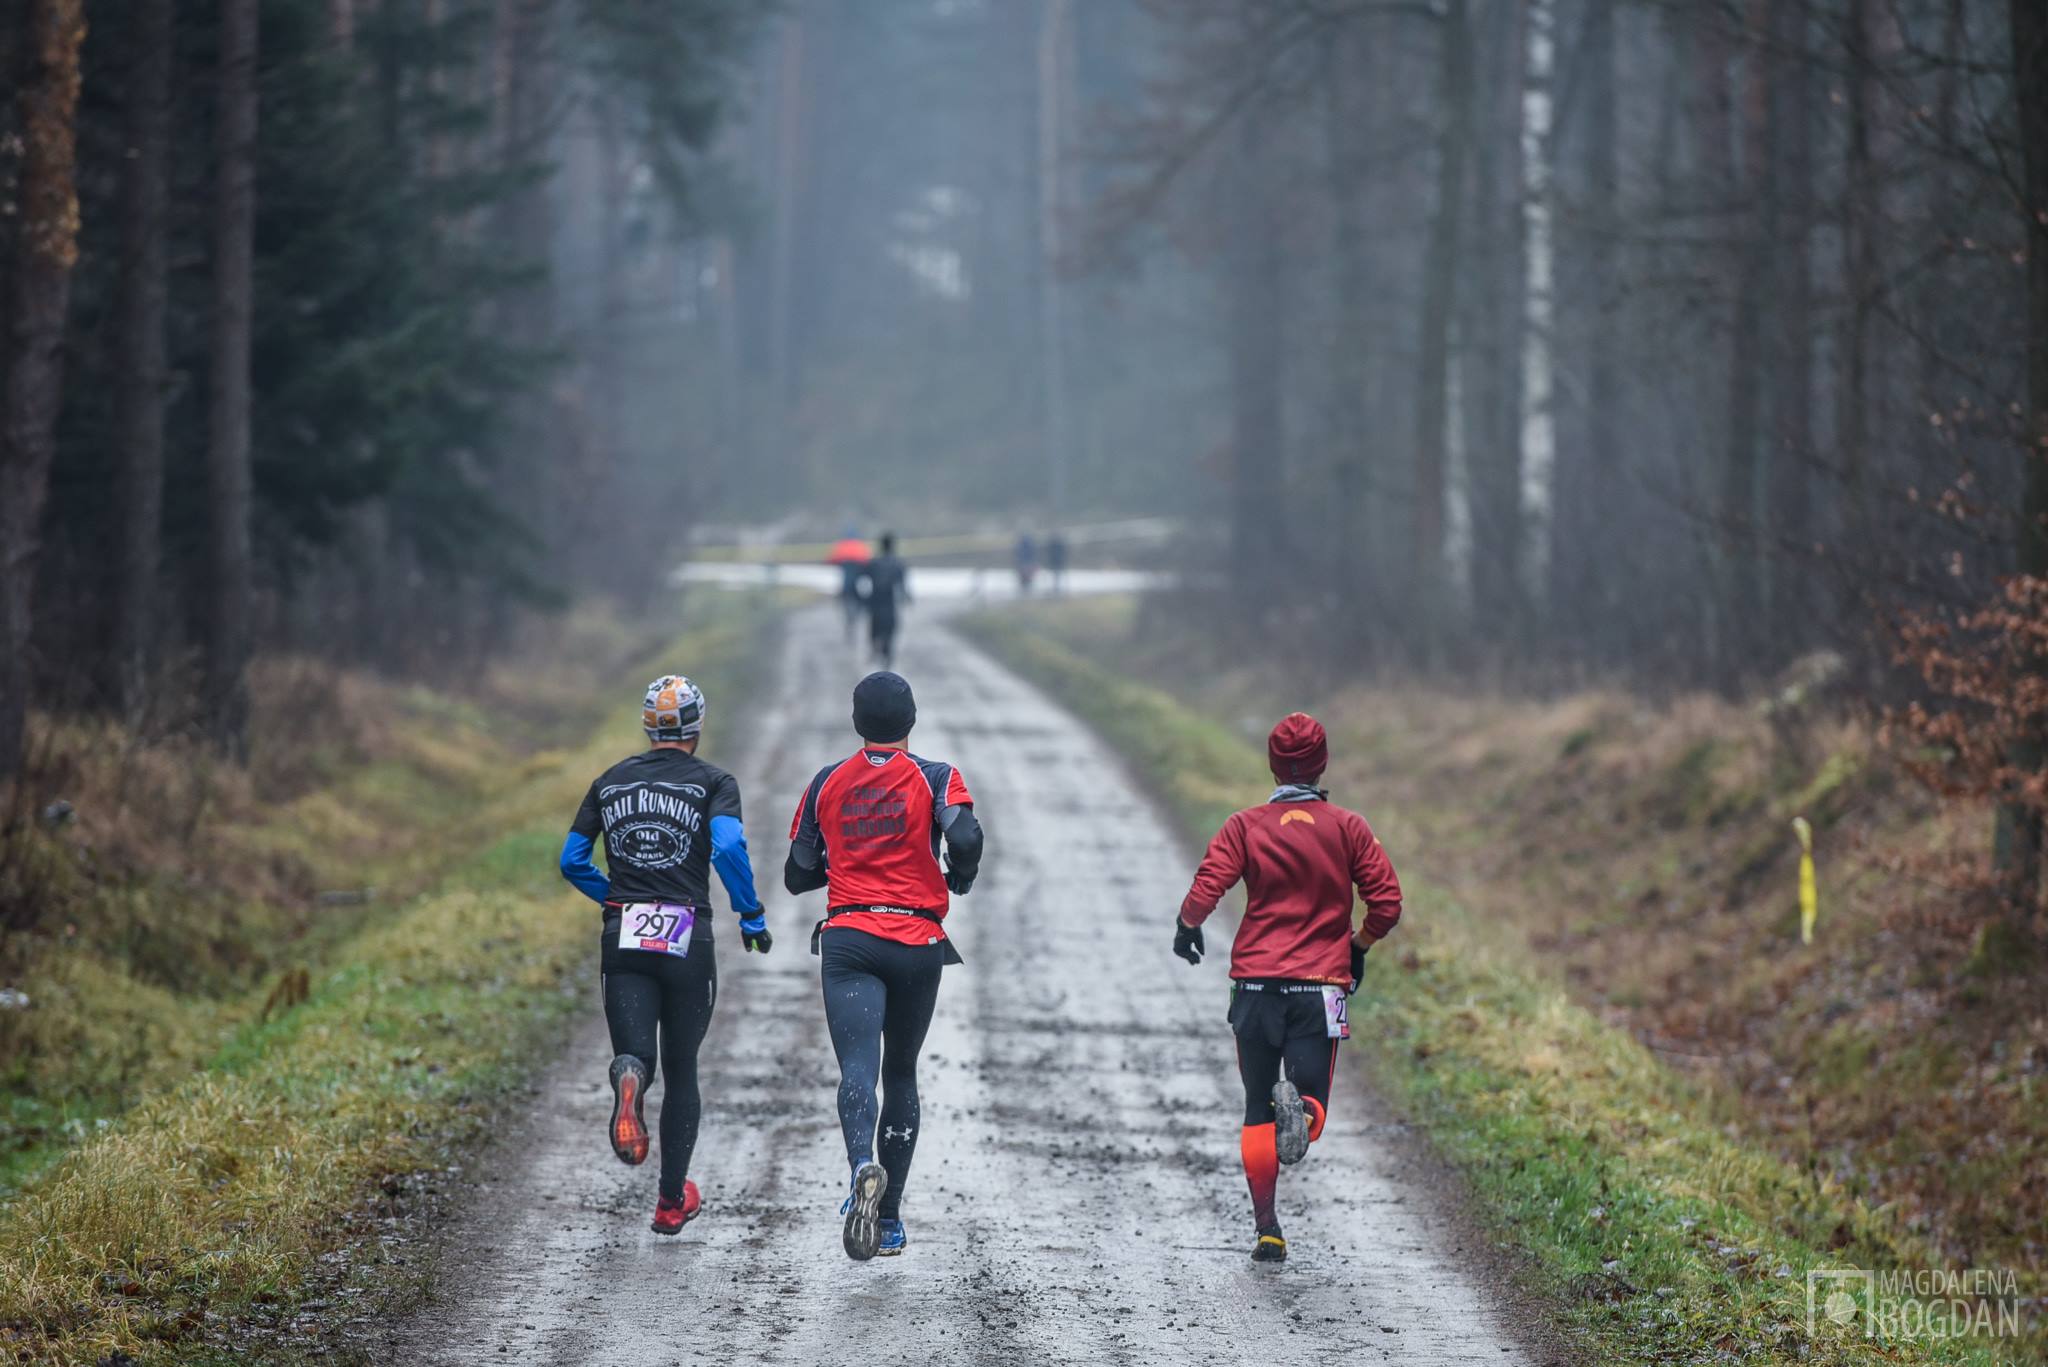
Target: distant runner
{"type": "Point", "coordinates": [851, 555]}
{"type": "Point", "coordinates": [851, 573]}
{"type": "Point", "coordinates": [668, 819]}
{"type": "Point", "coordinates": [1295, 960]}
{"type": "Point", "coordinates": [869, 828]}
{"type": "Point", "coordinates": [1056, 560]}
{"type": "Point", "coordinates": [887, 583]}
{"type": "Point", "coordinates": [1027, 562]}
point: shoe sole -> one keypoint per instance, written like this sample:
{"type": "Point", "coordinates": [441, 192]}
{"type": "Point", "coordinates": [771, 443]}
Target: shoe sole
{"type": "Point", "coordinates": [1290, 1123]}
{"type": "Point", "coordinates": [629, 1130]}
{"type": "Point", "coordinates": [863, 1233]}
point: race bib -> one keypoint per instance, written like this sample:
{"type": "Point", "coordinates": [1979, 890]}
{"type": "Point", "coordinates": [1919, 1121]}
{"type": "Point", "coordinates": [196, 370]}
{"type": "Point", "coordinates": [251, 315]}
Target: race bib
{"type": "Point", "coordinates": [1336, 1013]}
{"type": "Point", "coordinates": [657, 927]}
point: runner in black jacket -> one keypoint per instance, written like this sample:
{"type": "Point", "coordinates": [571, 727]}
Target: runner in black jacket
{"type": "Point", "coordinates": [870, 827]}
{"type": "Point", "coordinates": [667, 819]}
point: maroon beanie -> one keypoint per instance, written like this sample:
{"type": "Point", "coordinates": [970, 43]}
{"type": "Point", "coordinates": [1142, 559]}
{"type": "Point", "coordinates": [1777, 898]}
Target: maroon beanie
{"type": "Point", "coordinates": [1298, 749]}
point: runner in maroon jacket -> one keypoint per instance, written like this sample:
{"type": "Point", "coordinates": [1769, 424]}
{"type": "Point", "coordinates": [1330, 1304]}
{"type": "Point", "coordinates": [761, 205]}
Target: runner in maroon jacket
{"type": "Point", "coordinates": [1296, 958]}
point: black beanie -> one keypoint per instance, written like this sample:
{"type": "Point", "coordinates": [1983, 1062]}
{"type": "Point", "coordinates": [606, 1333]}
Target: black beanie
{"type": "Point", "coordinates": [883, 710]}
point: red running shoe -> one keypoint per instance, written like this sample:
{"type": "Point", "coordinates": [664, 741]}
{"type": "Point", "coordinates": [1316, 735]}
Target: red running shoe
{"type": "Point", "coordinates": [671, 1216]}
{"type": "Point", "coordinates": [629, 1097]}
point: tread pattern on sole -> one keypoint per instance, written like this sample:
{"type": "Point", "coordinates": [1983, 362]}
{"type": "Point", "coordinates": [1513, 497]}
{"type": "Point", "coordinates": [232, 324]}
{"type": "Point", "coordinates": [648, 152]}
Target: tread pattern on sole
{"type": "Point", "coordinates": [630, 1140]}
{"type": "Point", "coordinates": [863, 1233]}
{"type": "Point", "coordinates": [1290, 1123]}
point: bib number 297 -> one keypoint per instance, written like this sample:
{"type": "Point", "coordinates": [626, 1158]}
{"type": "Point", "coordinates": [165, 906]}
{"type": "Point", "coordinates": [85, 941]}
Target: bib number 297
{"type": "Point", "coordinates": [657, 927]}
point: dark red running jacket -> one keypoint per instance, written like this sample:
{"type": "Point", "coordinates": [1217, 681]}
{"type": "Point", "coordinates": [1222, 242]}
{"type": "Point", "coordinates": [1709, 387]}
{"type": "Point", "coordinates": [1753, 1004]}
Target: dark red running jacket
{"type": "Point", "coordinates": [1299, 862]}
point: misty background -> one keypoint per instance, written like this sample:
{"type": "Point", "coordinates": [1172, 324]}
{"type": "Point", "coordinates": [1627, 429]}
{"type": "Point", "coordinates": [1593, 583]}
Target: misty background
{"type": "Point", "coordinates": [1667, 341]}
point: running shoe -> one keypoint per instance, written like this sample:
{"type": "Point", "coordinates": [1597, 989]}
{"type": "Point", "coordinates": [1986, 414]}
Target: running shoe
{"type": "Point", "coordinates": [1290, 1122]}
{"type": "Point", "coordinates": [629, 1098]}
{"type": "Point", "coordinates": [863, 1234]}
{"type": "Point", "coordinates": [671, 1216]}
{"type": "Point", "coordinates": [893, 1239]}
{"type": "Point", "coordinates": [1271, 1247]}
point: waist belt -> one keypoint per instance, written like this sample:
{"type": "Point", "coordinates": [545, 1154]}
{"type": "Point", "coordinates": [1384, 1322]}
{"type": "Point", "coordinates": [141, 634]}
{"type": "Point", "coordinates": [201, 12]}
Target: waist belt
{"type": "Point", "coordinates": [935, 917]}
{"type": "Point", "coordinates": [923, 914]}
{"type": "Point", "coordinates": [1279, 985]}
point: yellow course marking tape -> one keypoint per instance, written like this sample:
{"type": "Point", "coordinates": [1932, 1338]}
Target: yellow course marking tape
{"type": "Point", "coordinates": [1809, 894]}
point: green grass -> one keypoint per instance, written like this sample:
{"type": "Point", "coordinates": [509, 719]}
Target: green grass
{"type": "Point", "coordinates": [219, 1195]}
{"type": "Point", "coordinates": [1655, 1235]}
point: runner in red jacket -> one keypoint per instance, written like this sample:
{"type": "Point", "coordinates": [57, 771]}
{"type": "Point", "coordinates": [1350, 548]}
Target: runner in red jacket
{"type": "Point", "coordinates": [869, 829]}
{"type": "Point", "coordinates": [1296, 958]}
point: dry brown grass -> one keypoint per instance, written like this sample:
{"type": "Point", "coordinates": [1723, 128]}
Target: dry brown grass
{"type": "Point", "coordinates": [180, 883]}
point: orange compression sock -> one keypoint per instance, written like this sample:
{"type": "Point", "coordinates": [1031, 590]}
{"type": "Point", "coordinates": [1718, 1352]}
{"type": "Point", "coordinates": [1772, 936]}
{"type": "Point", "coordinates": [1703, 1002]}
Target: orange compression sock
{"type": "Point", "coordinates": [1261, 1169]}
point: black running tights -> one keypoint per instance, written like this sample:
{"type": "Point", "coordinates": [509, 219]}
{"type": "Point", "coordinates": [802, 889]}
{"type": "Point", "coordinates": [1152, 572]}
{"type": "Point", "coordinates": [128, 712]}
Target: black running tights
{"type": "Point", "coordinates": [879, 997]}
{"type": "Point", "coordinates": [650, 997]}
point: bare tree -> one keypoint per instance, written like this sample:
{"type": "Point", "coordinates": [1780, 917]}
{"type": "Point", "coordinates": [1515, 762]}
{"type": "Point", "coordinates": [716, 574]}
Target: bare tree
{"type": "Point", "coordinates": [229, 482]}
{"type": "Point", "coordinates": [1253, 284]}
{"type": "Point", "coordinates": [1491, 299]}
{"type": "Point", "coordinates": [1439, 280]}
{"type": "Point", "coordinates": [1789, 216]}
{"type": "Point", "coordinates": [139, 344]}
{"type": "Point", "coordinates": [1584, 586]}
{"type": "Point", "coordinates": [46, 249]}
{"type": "Point", "coordinates": [1055, 43]}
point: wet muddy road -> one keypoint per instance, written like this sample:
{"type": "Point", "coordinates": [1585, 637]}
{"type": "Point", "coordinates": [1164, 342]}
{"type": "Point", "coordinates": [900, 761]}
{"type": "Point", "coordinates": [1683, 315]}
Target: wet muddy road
{"type": "Point", "coordinates": [1076, 1195]}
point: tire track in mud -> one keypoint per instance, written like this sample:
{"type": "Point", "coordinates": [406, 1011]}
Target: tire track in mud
{"type": "Point", "coordinates": [1076, 1195]}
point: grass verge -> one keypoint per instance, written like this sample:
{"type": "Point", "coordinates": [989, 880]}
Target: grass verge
{"type": "Point", "coordinates": [154, 1238]}
{"type": "Point", "coordinates": [179, 890]}
{"type": "Point", "coordinates": [1657, 1234]}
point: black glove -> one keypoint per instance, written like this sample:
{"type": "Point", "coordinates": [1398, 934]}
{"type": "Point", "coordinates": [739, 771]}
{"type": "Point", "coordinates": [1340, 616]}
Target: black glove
{"type": "Point", "coordinates": [958, 883]}
{"type": "Point", "coordinates": [1357, 965]}
{"type": "Point", "coordinates": [754, 933]}
{"type": "Point", "coordinates": [1187, 941]}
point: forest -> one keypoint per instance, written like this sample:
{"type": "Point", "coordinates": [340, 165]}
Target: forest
{"type": "Point", "coordinates": [1622, 423]}
{"type": "Point", "coordinates": [1679, 342]}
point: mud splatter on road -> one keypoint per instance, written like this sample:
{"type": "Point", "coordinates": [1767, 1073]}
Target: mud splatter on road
{"type": "Point", "coordinates": [1076, 1195]}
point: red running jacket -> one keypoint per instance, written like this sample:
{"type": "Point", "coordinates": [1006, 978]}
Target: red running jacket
{"type": "Point", "coordinates": [874, 815]}
{"type": "Point", "coordinates": [1299, 862]}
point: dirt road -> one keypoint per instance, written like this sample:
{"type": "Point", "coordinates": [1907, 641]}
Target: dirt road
{"type": "Point", "coordinates": [1076, 1195]}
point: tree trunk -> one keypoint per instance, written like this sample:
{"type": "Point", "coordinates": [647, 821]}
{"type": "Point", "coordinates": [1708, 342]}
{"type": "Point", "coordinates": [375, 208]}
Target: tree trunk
{"type": "Point", "coordinates": [139, 344]}
{"type": "Point", "coordinates": [1055, 42]}
{"type": "Point", "coordinates": [1439, 277]}
{"type": "Point", "coordinates": [1352, 556]}
{"type": "Point", "coordinates": [1860, 281]}
{"type": "Point", "coordinates": [45, 250]}
{"type": "Point", "coordinates": [792, 177]}
{"type": "Point", "coordinates": [1489, 350]}
{"type": "Point", "coordinates": [1792, 451]}
{"type": "Point", "coordinates": [227, 457]}
{"type": "Point", "coordinates": [1593, 519]}
{"type": "Point", "coordinates": [1741, 597]}
{"type": "Point", "coordinates": [2019, 826]}
{"type": "Point", "coordinates": [1257, 437]}
{"type": "Point", "coordinates": [1537, 418]}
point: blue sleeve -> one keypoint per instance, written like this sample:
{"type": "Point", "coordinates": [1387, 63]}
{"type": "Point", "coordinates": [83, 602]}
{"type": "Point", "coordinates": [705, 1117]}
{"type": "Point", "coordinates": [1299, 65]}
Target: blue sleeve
{"type": "Point", "coordinates": [577, 868]}
{"type": "Point", "coordinates": [735, 870]}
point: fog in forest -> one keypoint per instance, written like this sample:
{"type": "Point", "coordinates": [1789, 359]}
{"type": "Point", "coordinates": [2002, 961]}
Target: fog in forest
{"type": "Point", "coordinates": [1622, 423]}
{"type": "Point", "coordinates": [1664, 342]}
